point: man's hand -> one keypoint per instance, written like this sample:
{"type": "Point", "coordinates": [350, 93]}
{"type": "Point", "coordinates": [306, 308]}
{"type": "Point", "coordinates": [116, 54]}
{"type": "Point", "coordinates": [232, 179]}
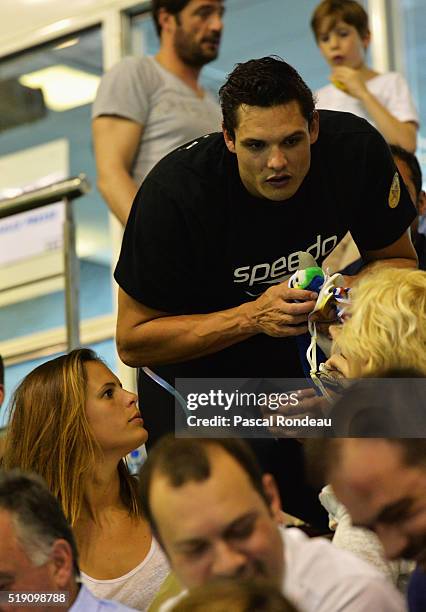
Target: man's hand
{"type": "Point", "coordinates": [146, 336]}
{"type": "Point", "coordinates": [308, 404]}
{"type": "Point", "coordinates": [277, 313]}
{"type": "Point", "coordinates": [352, 80]}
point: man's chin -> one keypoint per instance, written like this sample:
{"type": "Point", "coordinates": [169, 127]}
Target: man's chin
{"type": "Point", "coordinates": [200, 59]}
{"type": "Point", "coordinates": [209, 56]}
{"type": "Point", "coordinates": [278, 195]}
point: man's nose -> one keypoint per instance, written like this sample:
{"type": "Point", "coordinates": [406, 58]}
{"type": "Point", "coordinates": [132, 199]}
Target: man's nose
{"type": "Point", "coordinates": [216, 22]}
{"type": "Point", "coordinates": [277, 159]}
{"type": "Point", "coordinates": [228, 562]}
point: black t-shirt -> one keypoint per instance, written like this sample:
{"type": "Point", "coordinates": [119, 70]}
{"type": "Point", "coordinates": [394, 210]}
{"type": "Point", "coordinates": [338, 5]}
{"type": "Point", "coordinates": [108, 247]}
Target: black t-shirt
{"type": "Point", "coordinates": [196, 241]}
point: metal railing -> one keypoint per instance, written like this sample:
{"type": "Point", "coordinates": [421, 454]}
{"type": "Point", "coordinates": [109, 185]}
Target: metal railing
{"type": "Point", "coordinates": [67, 191]}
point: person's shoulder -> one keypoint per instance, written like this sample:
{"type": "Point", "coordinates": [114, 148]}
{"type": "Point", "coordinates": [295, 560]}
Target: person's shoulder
{"type": "Point", "coordinates": [338, 123]}
{"type": "Point", "coordinates": [134, 62]}
{"type": "Point", "coordinates": [319, 554]}
{"type": "Point", "coordinates": [387, 82]}
{"type": "Point", "coordinates": [325, 92]}
{"type": "Point", "coordinates": [133, 66]}
{"type": "Point", "coordinates": [389, 77]}
{"type": "Point", "coordinates": [202, 157]}
{"type": "Point", "coordinates": [340, 576]}
{"type": "Point", "coordinates": [88, 602]}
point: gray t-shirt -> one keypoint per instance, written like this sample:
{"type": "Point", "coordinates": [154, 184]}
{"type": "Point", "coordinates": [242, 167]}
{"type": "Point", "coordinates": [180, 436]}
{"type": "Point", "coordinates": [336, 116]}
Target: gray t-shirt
{"type": "Point", "coordinates": [171, 113]}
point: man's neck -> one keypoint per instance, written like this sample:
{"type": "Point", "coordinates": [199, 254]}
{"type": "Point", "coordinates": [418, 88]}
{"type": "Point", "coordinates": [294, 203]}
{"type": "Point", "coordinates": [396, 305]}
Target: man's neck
{"type": "Point", "coordinates": [169, 60]}
{"type": "Point", "coordinates": [73, 589]}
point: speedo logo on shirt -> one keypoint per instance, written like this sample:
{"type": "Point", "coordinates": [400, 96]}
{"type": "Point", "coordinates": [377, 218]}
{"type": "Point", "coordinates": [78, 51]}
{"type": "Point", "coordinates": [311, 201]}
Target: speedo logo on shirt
{"type": "Point", "coordinates": [281, 268]}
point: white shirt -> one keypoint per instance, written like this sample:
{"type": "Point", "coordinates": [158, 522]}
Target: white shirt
{"type": "Point", "coordinates": [138, 587]}
{"type": "Point", "coordinates": [390, 89]}
{"type": "Point", "coordinates": [87, 602]}
{"type": "Point", "coordinates": [321, 578]}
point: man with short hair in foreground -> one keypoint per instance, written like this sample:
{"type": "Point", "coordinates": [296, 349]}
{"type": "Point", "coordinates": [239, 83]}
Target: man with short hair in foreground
{"type": "Point", "coordinates": [38, 553]}
{"type": "Point", "coordinates": [382, 483]}
{"type": "Point", "coordinates": [216, 516]}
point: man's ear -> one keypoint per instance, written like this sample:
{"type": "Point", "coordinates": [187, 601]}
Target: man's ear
{"type": "Point", "coordinates": [314, 127]}
{"type": "Point", "coordinates": [421, 202]}
{"type": "Point", "coordinates": [62, 559]}
{"type": "Point", "coordinates": [228, 140]}
{"type": "Point", "coordinates": [166, 20]}
{"type": "Point", "coordinates": [272, 495]}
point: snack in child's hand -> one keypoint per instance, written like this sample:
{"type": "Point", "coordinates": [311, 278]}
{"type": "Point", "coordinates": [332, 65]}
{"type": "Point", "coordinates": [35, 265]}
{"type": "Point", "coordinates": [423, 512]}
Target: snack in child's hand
{"type": "Point", "coordinates": [339, 85]}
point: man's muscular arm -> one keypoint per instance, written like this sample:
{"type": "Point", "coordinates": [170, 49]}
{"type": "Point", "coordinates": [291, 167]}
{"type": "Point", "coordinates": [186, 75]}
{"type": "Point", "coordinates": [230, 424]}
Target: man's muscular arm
{"type": "Point", "coordinates": [151, 337]}
{"type": "Point", "coordinates": [116, 141]}
{"type": "Point", "coordinates": [399, 254]}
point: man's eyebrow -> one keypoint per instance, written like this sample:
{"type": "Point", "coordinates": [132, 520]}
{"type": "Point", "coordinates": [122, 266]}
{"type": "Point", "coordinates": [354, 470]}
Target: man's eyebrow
{"type": "Point", "coordinates": [249, 139]}
{"type": "Point", "coordinates": [211, 7]}
{"type": "Point", "coordinates": [250, 516]}
{"type": "Point", "coordinates": [389, 514]}
{"type": "Point", "coordinates": [190, 543]}
{"type": "Point", "coordinates": [293, 134]}
{"type": "Point", "coordinates": [193, 542]}
{"type": "Point", "coordinates": [394, 512]}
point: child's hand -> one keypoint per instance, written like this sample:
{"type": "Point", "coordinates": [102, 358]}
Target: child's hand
{"type": "Point", "coordinates": [349, 80]}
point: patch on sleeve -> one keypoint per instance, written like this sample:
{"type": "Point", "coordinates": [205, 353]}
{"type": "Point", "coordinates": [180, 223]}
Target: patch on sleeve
{"type": "Point", "coordinates": [394, 192]}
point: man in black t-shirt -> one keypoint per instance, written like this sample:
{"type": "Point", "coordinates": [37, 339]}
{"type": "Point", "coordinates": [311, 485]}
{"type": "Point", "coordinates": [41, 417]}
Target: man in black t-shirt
{"type": "Point", "coordinates": [216, 229]}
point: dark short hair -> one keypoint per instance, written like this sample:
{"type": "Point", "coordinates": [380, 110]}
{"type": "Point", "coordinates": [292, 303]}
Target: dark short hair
{"type": "Point", "coordinates": [266, 82]}
{"type": "Point", "coordinates": [1, 371]}
{"type": "Point", "coordinates": [413, 452]}
{"type": "Point", "coordinates": [403, 401]}
{"type": "Point", "coordinates": [413, 164]}
{"type": "Point", "coordinates": [36, 513]}
{"type": "Point", "coordinates": [369, 409]}
{"type": "Point", "coordinates": [184, 460]}
{"type": "Point", "coordinates": [172, 6]}
{"type": "Point", "coordinates": [386, 404]}
{"type": "Point", "coordinates": [349, 11]}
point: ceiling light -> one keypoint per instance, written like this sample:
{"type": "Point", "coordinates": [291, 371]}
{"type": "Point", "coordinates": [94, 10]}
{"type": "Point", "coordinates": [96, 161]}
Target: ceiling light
{"type": "Point", "coordinates": [63, 87]}
{"type": "Point", "coordinates": [67, 43]}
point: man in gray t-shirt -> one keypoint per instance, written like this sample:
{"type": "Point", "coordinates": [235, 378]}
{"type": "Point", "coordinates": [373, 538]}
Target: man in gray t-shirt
{"type": "Point", "coordinates": [146, 107]}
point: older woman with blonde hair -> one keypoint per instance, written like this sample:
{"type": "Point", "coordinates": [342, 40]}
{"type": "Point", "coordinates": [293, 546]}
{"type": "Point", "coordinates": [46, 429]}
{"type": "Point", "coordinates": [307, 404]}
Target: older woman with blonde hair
{"type": "Point", "coordinates": [385, 325]}
{"type": "Point", "coordinates": [72, 423]}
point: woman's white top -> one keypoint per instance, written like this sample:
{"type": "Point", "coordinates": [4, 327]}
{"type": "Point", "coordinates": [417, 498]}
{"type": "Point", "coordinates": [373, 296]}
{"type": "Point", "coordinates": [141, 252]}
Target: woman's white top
{"type": "Point", "coordinates": [138, 587]}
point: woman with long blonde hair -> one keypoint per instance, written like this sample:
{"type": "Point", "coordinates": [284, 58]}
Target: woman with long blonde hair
{"type": "Point", "coordinates": [72, 423]}
{"type": "Point", "coordinates": [385, 326]}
